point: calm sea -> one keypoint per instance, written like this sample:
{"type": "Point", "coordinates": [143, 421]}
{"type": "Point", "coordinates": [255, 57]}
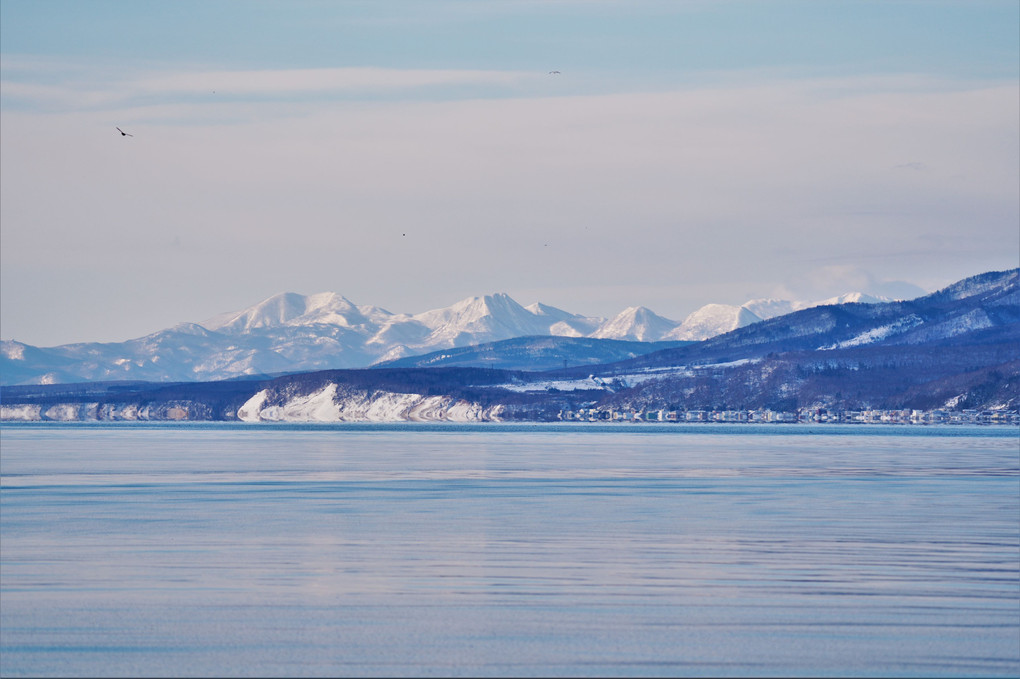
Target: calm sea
{"type": "Point", "coordinates": [580, 550]}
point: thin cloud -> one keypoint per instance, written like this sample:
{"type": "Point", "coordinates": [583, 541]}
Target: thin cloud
{"type": "Point", "coordinates": [318, 80]}
{"type": "Point", "coordinates": [103, 87]}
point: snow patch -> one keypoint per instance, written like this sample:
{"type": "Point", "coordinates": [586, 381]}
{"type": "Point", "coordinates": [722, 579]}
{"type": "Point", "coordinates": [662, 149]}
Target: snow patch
{"type": "Point", "coordinates": [625, 380]}
{"type": "Point", "coordinates": [13, 350]}
{"type": "Point", "coordinates": [955, 401]}
{"type": "Point", "coordinates": [969, 322]}
{"type": "Point", "coordinates": [877, 334]}
{"type": "Point", "coordinates": [557, 385]}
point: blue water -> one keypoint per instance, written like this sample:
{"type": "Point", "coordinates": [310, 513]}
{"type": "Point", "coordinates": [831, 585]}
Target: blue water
{"type": "Point", "coordinates": [580, 550]}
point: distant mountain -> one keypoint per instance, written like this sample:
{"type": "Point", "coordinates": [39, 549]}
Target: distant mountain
{"type": "Point", "coordinates": [958, 348]}
{"type": "Point", "coordinates": [479, 319]}
{"type": "Point", "coordinates": [565, 324]}
{"type": "Point", "coordinates": [289, 332]}
{"type": "Point", "coordinates": [292, 310]}
{"type": "Point", "coordinates": [711, 320]}
{"type": "Point", "coordinates": [635, 323]}
{"type": "Point", "coordinates": [715, 319]}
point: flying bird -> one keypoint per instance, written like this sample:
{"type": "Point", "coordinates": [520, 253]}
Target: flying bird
{"type": "Point", "coordinates": [554, 72]}
{"type": "Point", "coordinates": [123, 133]}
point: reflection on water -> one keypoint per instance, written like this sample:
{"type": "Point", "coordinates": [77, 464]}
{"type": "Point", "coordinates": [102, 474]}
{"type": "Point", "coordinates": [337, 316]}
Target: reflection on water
{"type": "Point", "coordinates": [497, 551]}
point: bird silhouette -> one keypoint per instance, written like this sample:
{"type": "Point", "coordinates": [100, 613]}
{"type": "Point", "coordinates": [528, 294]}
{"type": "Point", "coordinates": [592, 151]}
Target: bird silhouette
{"type": "Point", "coordinates": [554, 72]}
{"type": "Point", "coordinates": [123, 133]}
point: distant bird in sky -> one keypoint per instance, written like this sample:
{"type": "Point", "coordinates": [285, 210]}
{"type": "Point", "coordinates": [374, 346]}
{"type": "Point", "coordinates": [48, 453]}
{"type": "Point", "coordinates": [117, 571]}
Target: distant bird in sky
{"type": "Point", "coordinates": [123, 133]}
{"type": "Point", "coordinates": [554, 72]}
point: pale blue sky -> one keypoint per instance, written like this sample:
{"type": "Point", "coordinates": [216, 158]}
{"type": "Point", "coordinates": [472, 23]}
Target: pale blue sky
{"type": "Point", "coordinates": [968, 38]}
{"type": "Point", "coordinates": [687, 153]}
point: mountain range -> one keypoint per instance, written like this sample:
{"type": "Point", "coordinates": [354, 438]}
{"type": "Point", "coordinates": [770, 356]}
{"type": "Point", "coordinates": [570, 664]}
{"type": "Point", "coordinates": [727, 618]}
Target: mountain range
{"type": "Point", "coordinates": [290, 333]}
{"type": "Point", "coordinates": [956, 349]}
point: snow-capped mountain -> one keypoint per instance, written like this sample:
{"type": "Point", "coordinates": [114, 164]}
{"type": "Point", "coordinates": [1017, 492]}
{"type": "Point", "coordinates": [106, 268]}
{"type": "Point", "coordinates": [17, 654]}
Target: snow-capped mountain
{"type": "Point", "coordinates": [291, 309]}
{"type": "Point", "coordinates": [711, 320]}
{"type": "Point", "coordinates": [716, 319]}
{"type": "Point", "coordinates": [480, 319]}
{"type": "Point", "coordinates": [635, 323]}
{"type": "Point", "coordinates": [289, 332]}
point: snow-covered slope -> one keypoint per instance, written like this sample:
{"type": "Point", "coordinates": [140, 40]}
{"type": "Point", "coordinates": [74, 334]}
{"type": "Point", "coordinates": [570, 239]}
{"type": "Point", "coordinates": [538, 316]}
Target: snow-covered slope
{"type": "Point", "coordinates": [564, 323]}
{"type": "Point", "coordinates": [711, 320]}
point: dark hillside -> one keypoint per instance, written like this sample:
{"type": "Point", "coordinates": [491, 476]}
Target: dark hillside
{"type": "Point", "coordinates": [533, 353]}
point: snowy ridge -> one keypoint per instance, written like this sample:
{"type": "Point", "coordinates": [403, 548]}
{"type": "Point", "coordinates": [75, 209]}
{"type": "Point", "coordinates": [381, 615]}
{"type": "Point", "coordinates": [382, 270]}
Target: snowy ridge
{"type": "Point", "coordinates": [981, 284]}
{"type": "Point", "coordinates": [480, 319]}
{"type": "Point", "coordinates": [292, 309]}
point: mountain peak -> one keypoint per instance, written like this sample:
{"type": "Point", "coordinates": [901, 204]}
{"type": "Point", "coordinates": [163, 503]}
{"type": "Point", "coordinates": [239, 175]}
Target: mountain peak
{"type": "Point", "coordinates": [852, 298]}
{"type": "Point", "coordinates": [540, 309]}
{"type": "Point", "coordinates": [715, 319]}
{"type": "Point", "coordinates": [635, 323]}
{"type": "Point", "coordinates": [293, 309]}
{"type": "Point", "coordinates": [475, 319]}
{"type": "Point", "coordinates": [272, 311]}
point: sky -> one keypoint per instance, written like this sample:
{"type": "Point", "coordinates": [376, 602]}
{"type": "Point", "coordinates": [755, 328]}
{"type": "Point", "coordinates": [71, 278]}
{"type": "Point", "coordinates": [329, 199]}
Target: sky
{"type": "Point", "coordinates": [590, 155]}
